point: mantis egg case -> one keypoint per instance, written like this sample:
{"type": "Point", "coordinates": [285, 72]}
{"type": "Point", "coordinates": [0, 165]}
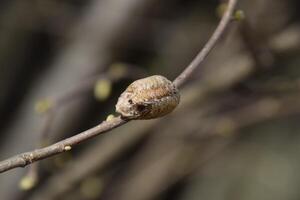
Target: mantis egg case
{"type": "Point", "coordinates": [148, 98]}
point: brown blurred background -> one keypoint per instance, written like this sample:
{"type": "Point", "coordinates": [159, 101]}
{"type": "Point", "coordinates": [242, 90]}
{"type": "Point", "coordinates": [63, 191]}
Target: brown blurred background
{"type": "Point", "coordinates": [63, 64]}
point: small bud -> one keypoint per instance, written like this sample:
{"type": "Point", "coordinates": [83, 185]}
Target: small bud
{"type": "Point", "coordinates": [68, 148]}
{"type": "Point", "coordinates": [27, 183]}
{"type": "Point", "coordinates": [239, 15]}
{"type": "Point", "coordinates": [110, 117]}
{"type": "Point", "coordinates": [42, 106]}
{"type": "Point", "coordinates": [102, 89]}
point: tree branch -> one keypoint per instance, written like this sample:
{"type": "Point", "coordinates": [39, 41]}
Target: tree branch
{"type": "Point", "coordinates": [27, 158]}
{"type": "Point", "coordinates": [198, 60]}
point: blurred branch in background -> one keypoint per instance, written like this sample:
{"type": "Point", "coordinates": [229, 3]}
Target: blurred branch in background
{"type": "Point", "coordinates": [101, 86]}
{"type": "Point", "coordinates": [234, 135]}
{"type": "Point", "coordinates": [27, 158]}
{"type": "Point", "coordinates": [84, 54]}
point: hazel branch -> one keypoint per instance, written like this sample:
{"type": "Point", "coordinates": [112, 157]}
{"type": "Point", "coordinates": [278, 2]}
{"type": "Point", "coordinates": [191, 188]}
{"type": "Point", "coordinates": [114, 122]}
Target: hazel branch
{"type": "Point", "coordinates": [216, 36]}
{"type": "Point", "coordinates": [23, 159]}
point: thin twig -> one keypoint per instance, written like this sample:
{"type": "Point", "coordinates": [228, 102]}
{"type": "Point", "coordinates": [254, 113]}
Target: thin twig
{"type": "Point", "coordinates": [27, 158]}
{"type": "Point", "coordinates": [130, 71]}
{"type": "Point", "coordinates": [198, 60]}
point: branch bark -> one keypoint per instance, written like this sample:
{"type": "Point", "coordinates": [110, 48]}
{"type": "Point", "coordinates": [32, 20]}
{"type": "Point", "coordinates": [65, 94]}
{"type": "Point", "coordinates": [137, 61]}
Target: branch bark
{"type": "Point", "coordinates": [27, 158]}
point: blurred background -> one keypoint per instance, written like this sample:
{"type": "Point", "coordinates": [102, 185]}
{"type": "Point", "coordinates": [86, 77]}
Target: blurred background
{"type": "Point", "coordinates": [235, 135]}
